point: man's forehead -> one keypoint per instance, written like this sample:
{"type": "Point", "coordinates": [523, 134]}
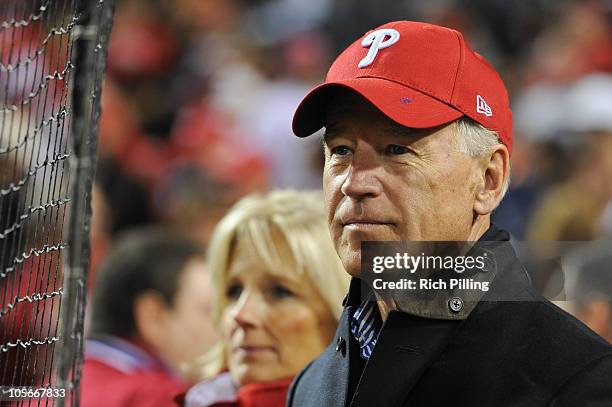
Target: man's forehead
{"type": "Point", "coordinates": [345, 107]}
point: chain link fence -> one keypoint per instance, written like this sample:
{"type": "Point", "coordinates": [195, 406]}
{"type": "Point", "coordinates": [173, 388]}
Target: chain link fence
{"type": "Point", "coordinates": [52, 60]}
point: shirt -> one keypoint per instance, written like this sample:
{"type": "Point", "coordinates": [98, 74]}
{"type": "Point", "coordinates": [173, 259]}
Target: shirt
{"type": "Point", "coordinates": [365, 326]}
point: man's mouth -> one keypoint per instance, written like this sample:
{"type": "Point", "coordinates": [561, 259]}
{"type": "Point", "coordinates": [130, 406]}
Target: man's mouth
{"type": "Point", "coordinates": [363, 223]}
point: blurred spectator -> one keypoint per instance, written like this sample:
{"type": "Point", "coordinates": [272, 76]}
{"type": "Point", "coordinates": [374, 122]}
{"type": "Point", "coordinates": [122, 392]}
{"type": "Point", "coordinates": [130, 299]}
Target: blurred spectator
{"type": "Point", "coordinates": [119, 202]}
{"type": "Point", "coordinates": [279, 286]}
{"type": "Point", "coordinates": [560, 215]}
{"type": "Point", "coordinates": [125, 198]}
{"type": "Point", "coordinates": [193, 201]}
{"type": "Point", "coordinates": [574, 209]}
{"type": "Point", "coordinates": [589, 286]}
{"type": "Point", "coordinates": [577, 43]}
{"type": "Point", "coordinates": [149, 321]}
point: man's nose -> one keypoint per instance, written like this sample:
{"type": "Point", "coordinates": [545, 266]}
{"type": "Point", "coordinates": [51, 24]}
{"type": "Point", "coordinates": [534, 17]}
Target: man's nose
{"type": "Point", "coordinates": [362, 178]}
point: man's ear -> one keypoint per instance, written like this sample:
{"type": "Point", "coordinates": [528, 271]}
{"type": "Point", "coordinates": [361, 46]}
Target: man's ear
{"type": "Point", "coordinates": [149, 311]}
{"type": "Point", "coordinates": [495, 168]}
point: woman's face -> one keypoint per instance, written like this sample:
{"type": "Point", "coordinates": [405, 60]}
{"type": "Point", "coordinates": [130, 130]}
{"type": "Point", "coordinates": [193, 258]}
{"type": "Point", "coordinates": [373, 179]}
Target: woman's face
{"type": "Point", "coordinates": [275, 322]}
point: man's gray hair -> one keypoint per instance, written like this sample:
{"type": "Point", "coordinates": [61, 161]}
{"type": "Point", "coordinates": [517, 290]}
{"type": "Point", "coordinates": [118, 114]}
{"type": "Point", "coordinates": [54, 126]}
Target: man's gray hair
{"type": "Point", "coordinates": [476, 140]}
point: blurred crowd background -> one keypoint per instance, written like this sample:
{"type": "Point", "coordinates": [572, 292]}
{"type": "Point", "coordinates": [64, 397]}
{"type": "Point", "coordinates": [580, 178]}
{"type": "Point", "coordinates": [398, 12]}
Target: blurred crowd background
{"type": "Point", "coordinates": [199, 96]}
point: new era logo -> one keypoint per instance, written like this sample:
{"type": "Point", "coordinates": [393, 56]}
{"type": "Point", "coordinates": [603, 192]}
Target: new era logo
{"type": "Point", "coordinates": [482, 107]}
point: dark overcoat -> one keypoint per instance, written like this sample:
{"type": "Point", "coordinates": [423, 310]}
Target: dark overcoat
{"type": "Point", "coordinates": [519, 353]}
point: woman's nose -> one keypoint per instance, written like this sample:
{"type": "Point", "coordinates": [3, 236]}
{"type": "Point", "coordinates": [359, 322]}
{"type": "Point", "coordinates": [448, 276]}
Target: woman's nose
{"type": "Point", "coordinates": [248, 310]}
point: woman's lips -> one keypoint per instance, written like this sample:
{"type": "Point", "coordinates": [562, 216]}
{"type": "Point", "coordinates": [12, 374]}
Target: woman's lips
{"type": "Point", "coordinates": [253, 351]}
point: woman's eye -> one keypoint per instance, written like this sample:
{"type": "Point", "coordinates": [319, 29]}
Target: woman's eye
{"type": "Point", "coordinates": [340, 150]}
{"type": "Point", "coordinates": [234, 291]}
{"type": "Point", "coordinates": [280, 292]}
{"type": "Point", "coordinates": [394, 149]}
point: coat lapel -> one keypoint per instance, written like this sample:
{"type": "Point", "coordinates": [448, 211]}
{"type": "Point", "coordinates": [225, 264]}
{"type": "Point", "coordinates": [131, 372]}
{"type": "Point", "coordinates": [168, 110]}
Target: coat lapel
{"type": "Point", "coordinates": [406, 347]}
{"type": "Point", "coordinates": [325, 381]}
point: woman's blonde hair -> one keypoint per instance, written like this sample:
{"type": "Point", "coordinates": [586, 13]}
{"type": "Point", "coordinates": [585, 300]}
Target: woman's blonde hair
{"type": "Point", "coordinates": [300, 219]}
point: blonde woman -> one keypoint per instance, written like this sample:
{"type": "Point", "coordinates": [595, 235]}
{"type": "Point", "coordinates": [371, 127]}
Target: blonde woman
{"type": "Point", "coordinates": [279, 285]}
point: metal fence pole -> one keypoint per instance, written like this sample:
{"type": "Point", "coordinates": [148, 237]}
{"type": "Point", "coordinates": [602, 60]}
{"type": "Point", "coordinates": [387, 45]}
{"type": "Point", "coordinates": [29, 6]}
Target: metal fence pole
{"type": "Point", "coordinates": [90, 46]}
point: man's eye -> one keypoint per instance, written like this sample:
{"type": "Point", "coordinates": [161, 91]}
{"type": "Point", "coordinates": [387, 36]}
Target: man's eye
{"type": "Point", "coordinates": [280, 292]}
{"type": "Point", "coordinates": [234, 291]}
{"type": "Point", "coordinates": [340, 150]}
{"type": "Point", "coordinates": [394, 149]}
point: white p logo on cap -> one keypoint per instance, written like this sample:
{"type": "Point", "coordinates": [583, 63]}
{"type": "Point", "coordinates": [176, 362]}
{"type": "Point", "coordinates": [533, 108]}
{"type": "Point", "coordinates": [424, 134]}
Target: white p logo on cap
{"type": "Point", "coordinates": [376, 41]}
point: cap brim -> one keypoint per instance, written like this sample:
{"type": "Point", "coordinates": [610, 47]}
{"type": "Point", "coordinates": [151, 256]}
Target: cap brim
{"type": "Point", "coordinates": [400, 103]}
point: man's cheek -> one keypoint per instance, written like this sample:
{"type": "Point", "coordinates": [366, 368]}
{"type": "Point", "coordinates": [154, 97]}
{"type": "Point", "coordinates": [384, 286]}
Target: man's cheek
{"type": "Point", "coordinates": [336, 232]}
{"type": "Point", "coordinates": [328, 194]}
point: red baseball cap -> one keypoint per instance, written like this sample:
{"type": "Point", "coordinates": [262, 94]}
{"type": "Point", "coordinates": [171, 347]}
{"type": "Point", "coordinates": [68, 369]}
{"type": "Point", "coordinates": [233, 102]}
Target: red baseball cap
{"type": "Point", "coordinates": [419, 75]}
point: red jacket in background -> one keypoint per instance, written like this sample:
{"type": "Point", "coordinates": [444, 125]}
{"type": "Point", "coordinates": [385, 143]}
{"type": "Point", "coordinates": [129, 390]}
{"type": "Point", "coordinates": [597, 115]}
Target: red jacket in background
{"type": "Point", "coordinates": [118, 373]}
{"type": "Point", "coordinates": [221, 391]}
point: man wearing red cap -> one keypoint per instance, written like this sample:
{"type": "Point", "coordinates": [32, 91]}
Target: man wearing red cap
{"type": "Point", "coordinates": [418, 137]}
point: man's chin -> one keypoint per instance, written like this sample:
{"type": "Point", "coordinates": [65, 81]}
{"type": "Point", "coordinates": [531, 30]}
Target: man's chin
{"type": "Point", "coordinates": [352, 263]}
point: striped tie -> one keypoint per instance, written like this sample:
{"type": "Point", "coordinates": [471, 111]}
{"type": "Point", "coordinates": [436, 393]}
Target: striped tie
{"type": "Point", "coordinates": [365, 326]}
